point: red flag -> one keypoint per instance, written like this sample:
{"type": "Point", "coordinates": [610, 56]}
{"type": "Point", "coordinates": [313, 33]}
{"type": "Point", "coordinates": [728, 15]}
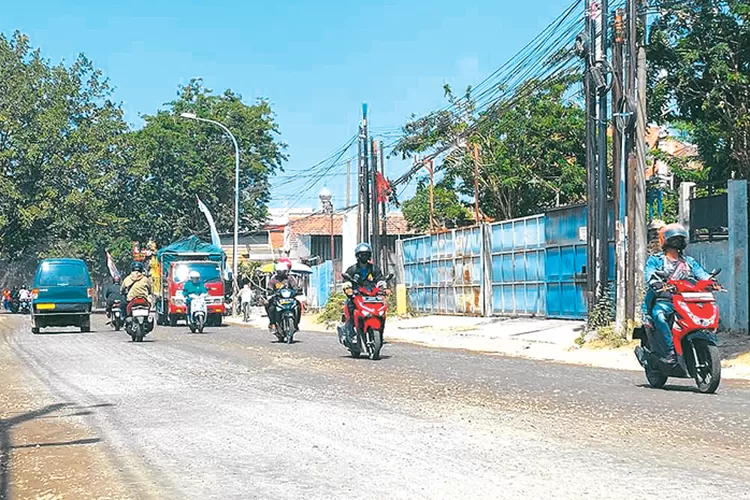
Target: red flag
{"type": "Point", "coordinates": [384, 188]}
{"type": "Point", "coordinates": [111, 266]}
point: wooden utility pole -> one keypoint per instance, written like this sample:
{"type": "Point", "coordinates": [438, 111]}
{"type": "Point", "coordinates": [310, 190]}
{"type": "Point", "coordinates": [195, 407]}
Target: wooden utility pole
{"type": "Point", "coordinates": [383, 215]}
{"type": "Point", "coordinates": [348, 183]}
{"type": "Point", "coordinates": [374, 212]}
{"type": "Point", "coordinates": [476, 183]}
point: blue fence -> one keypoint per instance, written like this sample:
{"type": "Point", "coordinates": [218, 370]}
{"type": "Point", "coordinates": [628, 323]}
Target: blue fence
{"type": "Point", "coordinates": [535, 266]}
{"type": "Point", "coordinates": [443, 272]}
{"type": "Point", "coordinates": [321, 283]}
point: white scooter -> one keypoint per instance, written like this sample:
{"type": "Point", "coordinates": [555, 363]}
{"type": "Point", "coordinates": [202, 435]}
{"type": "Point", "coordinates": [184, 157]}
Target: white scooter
{"type": "Point", "coordinates": [198, 312]}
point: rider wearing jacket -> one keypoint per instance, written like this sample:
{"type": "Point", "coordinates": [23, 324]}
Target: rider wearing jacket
{"type": "Point", "coordinates": [657, 307]}
{"type": "Point", "coordinates": [112, 293]}
{"type": "Point", "coordinates": [281, 279]}
{"type": "Point", "coordinates": [364, 271]}
{"type": "Point", "coordinates": [194, 286]}
{"type": "Point", "coordinates": [137, 284]}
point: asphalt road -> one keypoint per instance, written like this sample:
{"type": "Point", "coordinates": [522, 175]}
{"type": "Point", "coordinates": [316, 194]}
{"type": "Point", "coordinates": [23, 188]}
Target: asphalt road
{"type": "Point", "coordinates": [233, 414]}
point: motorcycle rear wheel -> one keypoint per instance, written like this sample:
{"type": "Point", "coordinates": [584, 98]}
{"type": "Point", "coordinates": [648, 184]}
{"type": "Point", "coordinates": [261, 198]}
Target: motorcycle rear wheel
{"type": "Point", "coordinates": [708, 381]}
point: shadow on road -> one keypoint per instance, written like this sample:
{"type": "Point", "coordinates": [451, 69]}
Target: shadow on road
{"type": "Point", "coordinates": [6, 445]}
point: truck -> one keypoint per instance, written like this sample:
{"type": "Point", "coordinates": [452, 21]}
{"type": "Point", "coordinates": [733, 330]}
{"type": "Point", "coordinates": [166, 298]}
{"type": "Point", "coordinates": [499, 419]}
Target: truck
{"type": "Point", "coordinates": [175, 262]}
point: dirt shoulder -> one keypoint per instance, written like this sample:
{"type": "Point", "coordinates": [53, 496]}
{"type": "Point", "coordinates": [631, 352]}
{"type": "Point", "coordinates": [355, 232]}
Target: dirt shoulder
{"type": "Point", "coordinates": [47, 451]}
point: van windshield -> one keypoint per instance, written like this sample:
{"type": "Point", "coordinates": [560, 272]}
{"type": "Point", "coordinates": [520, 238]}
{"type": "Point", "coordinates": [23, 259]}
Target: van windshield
{"type": "Point", "coordinates": [209, 272]}
{"type": "Point", "coordinates": [63, 274]}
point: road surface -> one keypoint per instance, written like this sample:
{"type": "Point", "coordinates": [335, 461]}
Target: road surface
{"type": "Point", "coordinates": [231, 414]}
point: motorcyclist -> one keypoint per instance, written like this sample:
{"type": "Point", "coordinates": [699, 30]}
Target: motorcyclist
{"type": "Point", "coordinates": [113, 293]}
{"type": "Point", "coordinates": [657, 308]}
{"type": "Point", "coordinates": [365, 272]}
{"type": "Point", "coordinates": [281, 279]}
{"type": "Point", "coordinates": [136, 285]}
{"type": "Point", "coordinates": [194, 286]}
{"type": "Point", "coordinates": [24, 293]}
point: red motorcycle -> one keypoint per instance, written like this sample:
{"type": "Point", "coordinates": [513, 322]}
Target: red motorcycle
{"type": "Point", "coordinates": [696, 320]}
{"type": "Point", "coordinates": [364, 331]}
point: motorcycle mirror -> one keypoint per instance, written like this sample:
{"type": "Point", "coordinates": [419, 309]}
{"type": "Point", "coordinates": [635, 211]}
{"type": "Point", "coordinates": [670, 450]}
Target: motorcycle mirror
{"type": "Point", "coordinates": [346, 276]}
{"type": "Point", "coordinates": [662, 274]}
{"type": "Point", "coordinates": [716, 272]}
{"type": "Point", "coordinates": [389, 277]}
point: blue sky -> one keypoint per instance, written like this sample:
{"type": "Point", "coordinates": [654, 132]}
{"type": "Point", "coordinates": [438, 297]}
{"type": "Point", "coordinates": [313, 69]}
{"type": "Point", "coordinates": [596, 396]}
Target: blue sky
{"type": "Point", "coordinates": [317, 62]}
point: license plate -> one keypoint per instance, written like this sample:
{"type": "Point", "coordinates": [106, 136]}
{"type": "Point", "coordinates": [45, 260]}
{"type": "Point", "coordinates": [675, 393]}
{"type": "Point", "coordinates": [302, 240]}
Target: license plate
{"type": "Point", "coordinates": [140, 312]}
{"type": "Point", "coordinates": [45, 307]}
{"type": "Point", "coordinates": [373, 299]}
{"type": "Point", "coordinates": [286, 302]}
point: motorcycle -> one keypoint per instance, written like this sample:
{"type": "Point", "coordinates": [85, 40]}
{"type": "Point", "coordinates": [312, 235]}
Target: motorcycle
{"type": "Point", "coordinates": [15, 305]}
{"type": "Point", "coordinates": [140, 319]}
{"type": "Point", "coordinates": [364, 331]}
{"type": "Point", "coordinates": [24, 306]}
{"type": "Point", "coordinates": [198, 312]}
{"type": "Point", "coordinates": [116, 315]}
{"type": "Point", "coordinates": [287, 312]}
{"type": "Point", "coordinates": [696, 320]}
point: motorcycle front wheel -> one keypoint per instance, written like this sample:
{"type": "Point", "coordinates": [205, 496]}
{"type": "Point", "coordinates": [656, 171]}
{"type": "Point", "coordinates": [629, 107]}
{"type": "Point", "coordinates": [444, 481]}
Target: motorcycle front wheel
{"type": "Point", "coordinates": [707, 367]}
{"type": "Point", "coordinates": [373, 349]}
{"type": "Point", "coordinates": [289, 329]}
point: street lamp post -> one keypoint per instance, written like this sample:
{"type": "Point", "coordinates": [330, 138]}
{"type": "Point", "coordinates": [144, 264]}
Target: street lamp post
{"type": "Point", "coordinates": [193, 116]}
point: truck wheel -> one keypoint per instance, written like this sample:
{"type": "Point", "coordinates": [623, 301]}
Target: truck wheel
{"type": "Point", "coordinates": [172, 320]}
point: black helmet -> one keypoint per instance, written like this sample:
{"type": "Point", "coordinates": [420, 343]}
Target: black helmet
{"type": "Point", "coordinates": [363, 252]}
{"type": "Point", "coordinates": [137, 266]}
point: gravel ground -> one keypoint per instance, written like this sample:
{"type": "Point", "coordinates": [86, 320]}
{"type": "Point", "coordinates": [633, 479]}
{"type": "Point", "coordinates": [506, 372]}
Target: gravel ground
{"type": "Point", "coordinates": [232, 414]}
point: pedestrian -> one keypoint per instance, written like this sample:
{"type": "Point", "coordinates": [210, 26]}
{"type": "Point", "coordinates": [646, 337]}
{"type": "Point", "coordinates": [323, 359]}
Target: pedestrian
{"type": "Point", "coordinates": [6, 299]}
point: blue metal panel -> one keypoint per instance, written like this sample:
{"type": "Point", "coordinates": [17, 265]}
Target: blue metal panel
{"type": "Point", "coordinates": [517, 266]}
{"type": "Point", "coordinates": [443, 272]}
{"type": "Point", "coordinates": [321, 283]}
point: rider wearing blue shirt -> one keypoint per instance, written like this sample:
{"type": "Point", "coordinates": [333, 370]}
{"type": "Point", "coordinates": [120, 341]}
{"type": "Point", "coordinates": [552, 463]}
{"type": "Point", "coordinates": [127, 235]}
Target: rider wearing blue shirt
{"type": "Point", "coordinates": [194, 286]}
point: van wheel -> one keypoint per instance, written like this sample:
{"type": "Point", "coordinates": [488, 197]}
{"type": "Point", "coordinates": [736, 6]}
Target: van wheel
{"type": "Point", "coordinates": [86, 325]}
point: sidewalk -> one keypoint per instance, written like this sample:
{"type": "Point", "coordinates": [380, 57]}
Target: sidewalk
{"type": "Point", "coordinates": [540, 339]}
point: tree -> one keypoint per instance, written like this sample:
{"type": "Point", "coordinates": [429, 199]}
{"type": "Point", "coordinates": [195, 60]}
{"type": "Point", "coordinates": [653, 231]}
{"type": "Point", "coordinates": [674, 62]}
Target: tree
{"type": "Point", "coordinates": [448, 210]}
{"type": "Point", "coordinates": [531, 153]}
{"type": "Point", "coordinates": [699, 73]}
{"type": "Point", "coordinates": [177, 160]}
{"type": "Point", "coordinates": [62, 145]}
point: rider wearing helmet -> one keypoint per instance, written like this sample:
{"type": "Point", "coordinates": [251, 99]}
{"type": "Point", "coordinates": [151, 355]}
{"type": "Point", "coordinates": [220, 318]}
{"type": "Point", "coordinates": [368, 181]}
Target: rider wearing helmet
{"type": "Point", "coordinates": [658, 308]}
{"type": "Point", "coordinates": [137, 284]}
{"type": "Point", "coordinates": [280, 279]}
{"type": "Point", "coordinates": [193, 286]}
{"type": "Point", "coordinates": [112, 293]}
{"type": "Point", "coordinates": [364, 271]}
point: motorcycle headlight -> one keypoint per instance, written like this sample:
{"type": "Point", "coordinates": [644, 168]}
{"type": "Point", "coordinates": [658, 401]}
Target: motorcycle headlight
{"type": "Point", "coordinates": [366, 313]}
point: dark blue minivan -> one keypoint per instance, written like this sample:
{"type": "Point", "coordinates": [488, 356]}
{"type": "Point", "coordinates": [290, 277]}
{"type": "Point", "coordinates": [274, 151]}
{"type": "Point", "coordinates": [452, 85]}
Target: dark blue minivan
{"type": "Point", "coordinates": [61, 295]}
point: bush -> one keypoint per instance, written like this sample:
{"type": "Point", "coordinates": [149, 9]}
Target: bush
{"type": "Point", "coordinates": [331, 313]}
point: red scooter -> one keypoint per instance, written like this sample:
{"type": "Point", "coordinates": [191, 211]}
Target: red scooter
{"type": "Point", "coordinates": [369, 319]}
{"type": "Point", "coordinates": [694, 328]}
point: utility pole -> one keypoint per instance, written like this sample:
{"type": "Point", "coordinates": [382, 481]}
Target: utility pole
{"type": "Point", "coordinates": [365, 178]}
{"type": "Point", "coordinates": [639, 225]}
{"type": "Point", "coordinates": [375, 238]}
{"type": "Point", "coordinates": [601, 178]}
{"type": "Point", "coordinates": [476, 183]}
{"type": "Point", "coordinates": [618, 147]}
{"type": "Point", "coordinates": [383, 215]}
{"type": "Point", "coordinates": [432, 195]}
{"type": "Point", "coordinates": [348, 184]}
{"type": "Point", "coordinates": [587, 52]}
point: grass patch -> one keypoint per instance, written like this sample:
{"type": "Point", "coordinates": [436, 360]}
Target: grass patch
{"type": "Point", "coordinates": [607, 338]}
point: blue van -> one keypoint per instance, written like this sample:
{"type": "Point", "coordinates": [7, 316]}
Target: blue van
{"type": "Point", "coordinates": [61, 295]}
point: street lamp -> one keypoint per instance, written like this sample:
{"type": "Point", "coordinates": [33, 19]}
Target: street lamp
{"type": "Point", "coordinates": [193, 116]}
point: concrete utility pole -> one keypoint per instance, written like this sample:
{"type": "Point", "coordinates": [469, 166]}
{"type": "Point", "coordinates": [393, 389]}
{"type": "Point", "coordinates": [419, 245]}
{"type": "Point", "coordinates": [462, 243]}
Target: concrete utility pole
{"type": "Point", "coordinates": [348, 184]}
{"type": "Point", "coordinates": [587, 52]}
{"type": "Point", "coordinates": [365, 177]}
{"type": "Point", "coordinates": [476, 183]}
{"type": "Point", "coordinates": [639, 226]}
{"type": "Point", "coordinates": [618, 161]}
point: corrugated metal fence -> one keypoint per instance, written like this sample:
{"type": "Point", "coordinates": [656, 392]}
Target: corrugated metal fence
{"type": "Point", "coordinates": [534, 266]}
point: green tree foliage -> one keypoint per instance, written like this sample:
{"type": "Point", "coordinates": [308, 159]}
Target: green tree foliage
{"type": "Point", "coordinates": [75, 180]}
{"type": "Point", "coordinates": [699, 64]}
{"type": "Point", "coordinates": [179, 159]}
{"type": "Point", "coordinates": [448, 210]}
{"type": "Point", "coordinates": [531, 155]}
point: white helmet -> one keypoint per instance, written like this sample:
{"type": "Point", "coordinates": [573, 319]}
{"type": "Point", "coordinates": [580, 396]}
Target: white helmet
{"type": "Point", "coordinates": [281, 267]}
{"type": "Point", "coordinates": [194, 275]}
